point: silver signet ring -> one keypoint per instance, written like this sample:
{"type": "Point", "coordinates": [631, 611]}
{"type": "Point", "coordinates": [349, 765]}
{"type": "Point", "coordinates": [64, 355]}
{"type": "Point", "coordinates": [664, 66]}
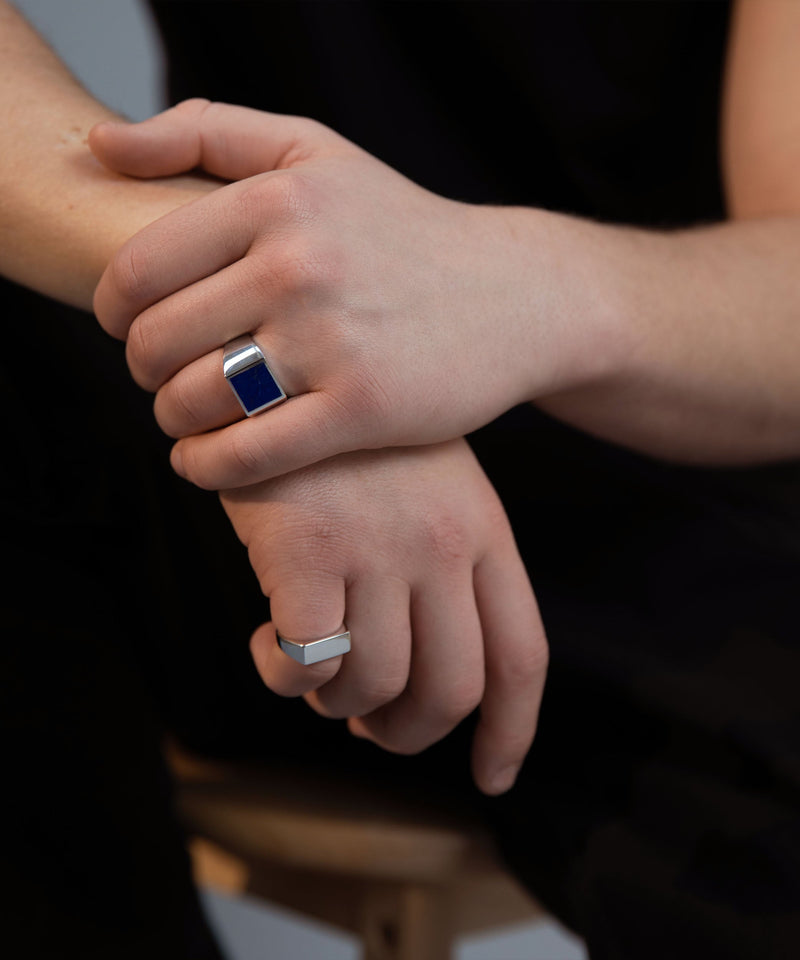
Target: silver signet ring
{"type": "Point", "coordinates": [254, 385]}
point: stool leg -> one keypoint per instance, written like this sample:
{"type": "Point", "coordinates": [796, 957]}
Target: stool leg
{"type": "Point", "coordinates": [406, 922]}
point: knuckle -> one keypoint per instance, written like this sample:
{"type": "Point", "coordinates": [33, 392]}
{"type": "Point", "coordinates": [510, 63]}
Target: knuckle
{"type": "Point", "coordinates": [496, 518]}
{"type": "Point", "coordinates": [289, 196]}
{"type": "Point", "coordinates": [315, 675]}
{"type": "Point", "coordinates": [517, 674]}
{"type": "Point", "coordinates": [449, 707]}
{"type": "Point", "coordinates": [252, 196]}
{"type": "Point", "coordinates": [193, 107]}
{"type": "Point", "coordinates": [379, 692]}
{"type": "Point", "coordinates": [396, 739]}
{"type": "Point", "coordinates": [368, 401]}
{"type": "Point", "coordinates": [461, 699]}
{"type": "Point", "coordinates": [129, 274]}
{"type": "Point", "coordinates": [141, 354]}
{"type": "Point", "coordinates": [299, 684]}
{"type": "Point", "coordinates": [311, 612]}
{"type": "Point", "coordinates": [446, 539]}
{"type": "Point", "coordinates": [296, 196]}
{"type": "Point", "coordinates": [194, 469]}
{"type": "Point", "coordinates": [308, 127]}
{"type": "Point", "coordinates": [178, 406]}
{"type": "Point", "coordinates": [307, 136]}
{"type": "Point", "coordinates": [302, 270]}
{"type": "Point", "coordinates": [245, 456]}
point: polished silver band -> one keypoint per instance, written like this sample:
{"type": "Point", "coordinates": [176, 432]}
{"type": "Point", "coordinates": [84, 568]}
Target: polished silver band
{"type": "Point", "coordinates": [315, 651]}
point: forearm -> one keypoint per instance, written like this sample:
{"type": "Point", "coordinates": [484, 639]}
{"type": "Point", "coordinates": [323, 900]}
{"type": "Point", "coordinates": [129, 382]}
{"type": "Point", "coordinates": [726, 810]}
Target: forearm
{"type": "Point", "coordinates": [62, 215]}
{"type": "Point", "coordinates": [417, 318]}
{"type": "Point", "coordinates": [684, 345]}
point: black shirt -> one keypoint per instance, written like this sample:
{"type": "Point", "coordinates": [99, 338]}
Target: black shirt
{"type": "Point", "coordinates": [603, 109]}
{"type": "Point", "coordinates": [607, 110]}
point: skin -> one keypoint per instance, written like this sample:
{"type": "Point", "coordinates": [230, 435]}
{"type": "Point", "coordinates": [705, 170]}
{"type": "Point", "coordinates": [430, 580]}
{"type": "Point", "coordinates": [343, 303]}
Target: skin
{"type": "Point", "coordinates": [657, 341]}
{"type": "Point", "coordinates": [62, 216]}
{"type": "Point", "coordinates": [409, 545]}
{"type": "Point", "coordinates": [683, 346]}
{"type": "Point", "coordinates": [600, 325]}
{"type": "Point", "coordinates": [436, 597]}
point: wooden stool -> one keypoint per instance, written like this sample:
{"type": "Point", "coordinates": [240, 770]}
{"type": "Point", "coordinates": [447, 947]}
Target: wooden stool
{"type": "Point", "coordinates": [407, 879]}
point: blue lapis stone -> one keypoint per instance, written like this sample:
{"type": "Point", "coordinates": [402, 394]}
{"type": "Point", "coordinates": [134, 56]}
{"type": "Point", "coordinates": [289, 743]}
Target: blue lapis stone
{"type": "Point", "coordinates": [256, 388]}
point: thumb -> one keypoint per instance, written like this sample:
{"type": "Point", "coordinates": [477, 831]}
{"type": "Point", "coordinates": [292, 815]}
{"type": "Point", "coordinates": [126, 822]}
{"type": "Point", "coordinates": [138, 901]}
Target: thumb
{"type": "Point", "coordinates": [228, 141]}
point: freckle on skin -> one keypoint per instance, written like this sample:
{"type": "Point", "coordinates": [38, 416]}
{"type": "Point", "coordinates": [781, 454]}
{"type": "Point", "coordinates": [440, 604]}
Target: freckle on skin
{"type": "Point", "coordinates": [73, 135]}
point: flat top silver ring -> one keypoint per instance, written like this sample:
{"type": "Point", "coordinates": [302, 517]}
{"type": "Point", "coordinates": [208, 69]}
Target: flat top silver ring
{"type": "Point", "coordinates": [315, 651]}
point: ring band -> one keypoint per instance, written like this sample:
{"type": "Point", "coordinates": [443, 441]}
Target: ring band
{"type": "Point", "coordinates": [315, 651]}
{"type": "Point", "coordinates": [246, 369]}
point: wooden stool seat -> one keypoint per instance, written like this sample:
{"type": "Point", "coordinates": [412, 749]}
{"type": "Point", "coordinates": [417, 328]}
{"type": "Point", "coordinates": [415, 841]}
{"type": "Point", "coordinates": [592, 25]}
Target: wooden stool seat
{"type": "Point", "coordinates": [408, 877]}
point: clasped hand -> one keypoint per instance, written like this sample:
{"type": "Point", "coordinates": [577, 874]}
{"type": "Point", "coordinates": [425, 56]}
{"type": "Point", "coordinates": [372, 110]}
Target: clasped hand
{"type": "Point", "coordinates": [372, 299]}
{"type": "Point", "coordinates": [385, 311]}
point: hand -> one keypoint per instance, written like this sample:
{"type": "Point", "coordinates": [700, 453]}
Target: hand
{"type": "Point", "coordinates": [387, 312]}
{"type": "Point", "coordinates": [411, 547]}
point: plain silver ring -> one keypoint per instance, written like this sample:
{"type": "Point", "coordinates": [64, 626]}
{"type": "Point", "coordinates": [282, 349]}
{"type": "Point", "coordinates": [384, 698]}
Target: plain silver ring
{"type": "Point", "coordinates": [315, 651]}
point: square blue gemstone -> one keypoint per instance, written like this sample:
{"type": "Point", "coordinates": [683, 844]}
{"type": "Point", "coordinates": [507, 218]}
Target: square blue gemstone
{"type": "Point", "coordinates": [256, 388]}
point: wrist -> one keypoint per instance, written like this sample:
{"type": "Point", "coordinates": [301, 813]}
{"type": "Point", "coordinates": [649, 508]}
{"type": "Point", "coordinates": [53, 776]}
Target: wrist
{"type": "Point", "coordinates": [58, 235]}
{"type": "Point", "coordinates": [569, 300]}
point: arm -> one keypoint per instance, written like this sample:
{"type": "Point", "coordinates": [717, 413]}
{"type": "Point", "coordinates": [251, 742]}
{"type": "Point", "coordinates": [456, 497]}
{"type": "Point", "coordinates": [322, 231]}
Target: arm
{"type": "Point", "coordinates": [62, 214]}
{"type": "Point", "coordinates": [445, 568]}
{"type": "Point", "coordinates": [711, 371]}
{"type": "Point", "coordinates": [422, 319]}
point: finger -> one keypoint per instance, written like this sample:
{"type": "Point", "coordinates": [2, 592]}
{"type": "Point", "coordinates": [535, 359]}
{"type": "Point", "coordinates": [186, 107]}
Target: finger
{"type": "Point", "coordinates": [182, 247]}
{"type": "Point", "coordinates": [516, 666]}
{"type": "Point", "coordinates": [280, 673]}
{"type": "Point", "coordinates": [228, 141]}
{"type": "Point", "coordinates": [306, 429]}
{"type": "Point", "coordinates": [306, 608]}
{"type": "Point", "coordinates": [375, 671]}
{"type": "Point", "coordinates": [447, 673]}
{"type": "Point", "coordinates": [202, 317]}
{"type": "Point", "coordinates": [197, 399]}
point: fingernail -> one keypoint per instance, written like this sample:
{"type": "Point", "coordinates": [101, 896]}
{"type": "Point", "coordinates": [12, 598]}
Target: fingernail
{"type": "Point", "coordinates": [503, 779]}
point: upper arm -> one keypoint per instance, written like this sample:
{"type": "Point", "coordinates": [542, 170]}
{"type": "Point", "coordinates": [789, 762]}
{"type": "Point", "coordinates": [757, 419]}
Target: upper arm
{"type": "Point", "coordinates": [761, 109]}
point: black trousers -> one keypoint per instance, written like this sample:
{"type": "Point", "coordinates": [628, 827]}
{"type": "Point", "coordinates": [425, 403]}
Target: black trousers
{"type": "Point", "coordinates": [658, 813]}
